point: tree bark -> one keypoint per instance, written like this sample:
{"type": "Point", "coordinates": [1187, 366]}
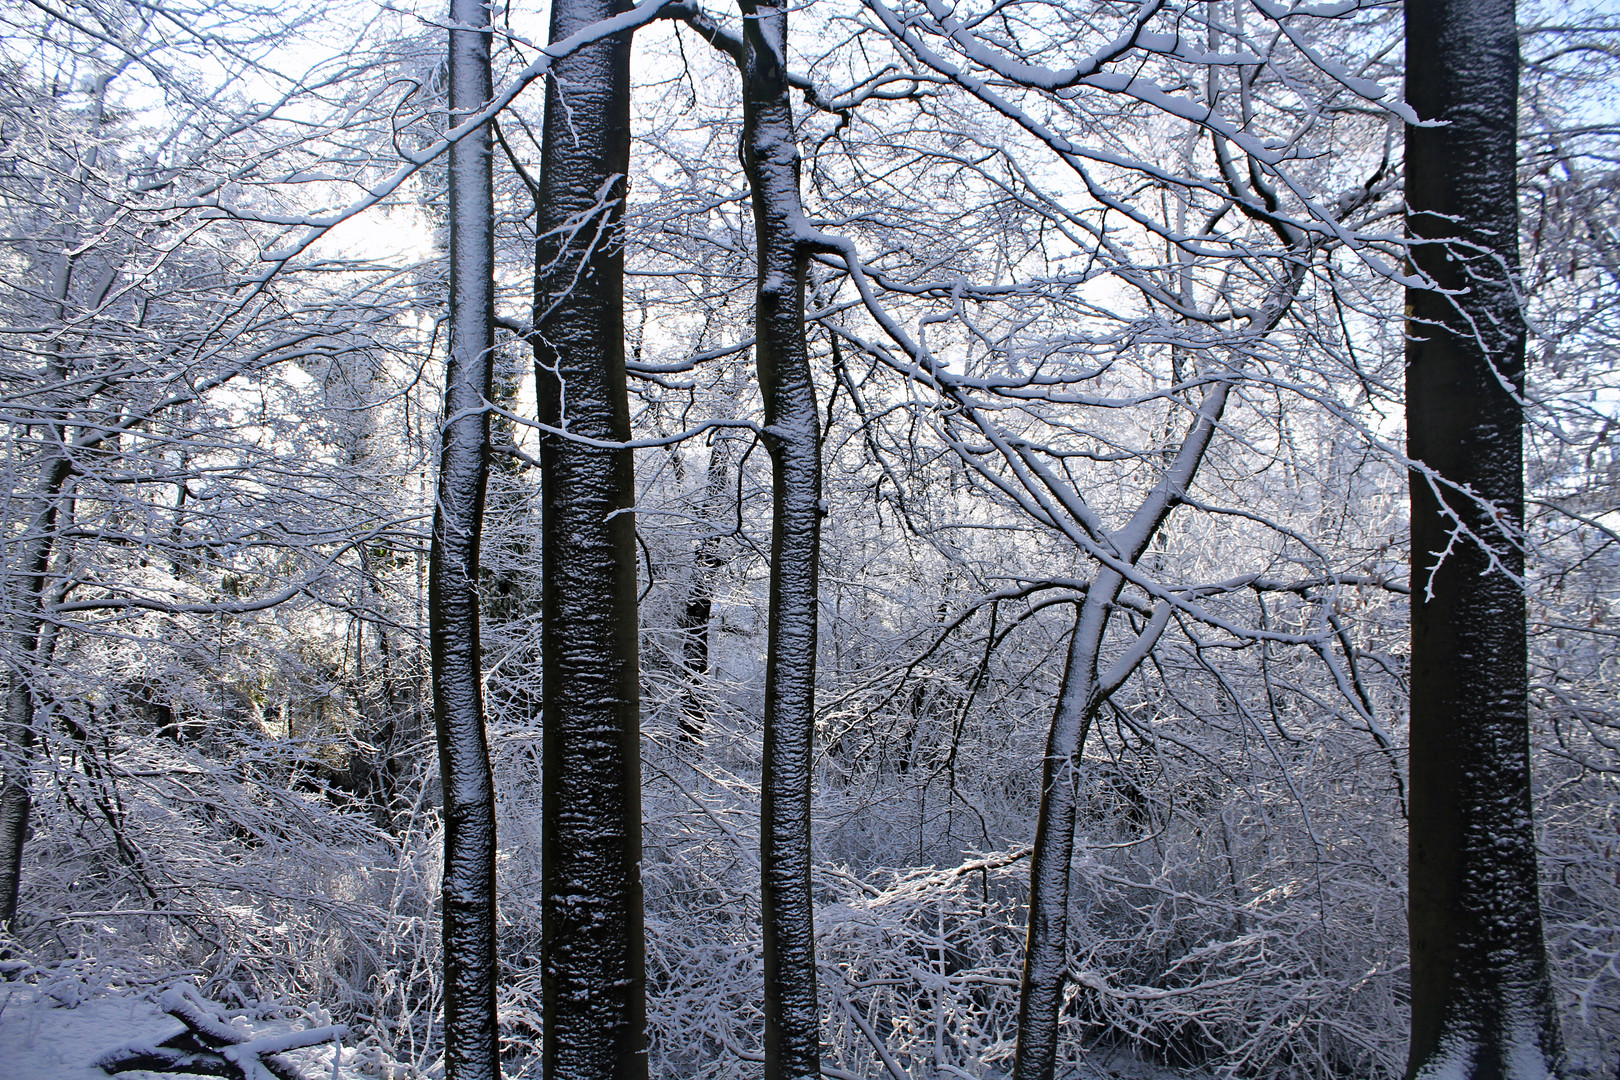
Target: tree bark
{"type": "Point", "coordinates": [1084, 689]}
{"type": "Point", "coordinates": [1046, 953]}
{"type": "Point", "coordinates": [1482, 1003]}
{"type": "Point", "coordinates": [793, 438]}
{"type": "Point", "coordinates": [707, 563]}
{"type": "Point", "coordinates": [16, 790]}
{"type": "Point", "coordinates": [593, 983]}
{"type": "Point", "coordinates": [470, 966]}
{"type": "Point", "coordinates": [36, 545]}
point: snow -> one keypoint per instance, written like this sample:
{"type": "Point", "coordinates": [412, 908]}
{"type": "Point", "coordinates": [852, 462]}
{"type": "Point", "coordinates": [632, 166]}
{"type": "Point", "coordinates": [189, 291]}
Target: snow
{"type": "Point", "coordinates": [43, 1038]}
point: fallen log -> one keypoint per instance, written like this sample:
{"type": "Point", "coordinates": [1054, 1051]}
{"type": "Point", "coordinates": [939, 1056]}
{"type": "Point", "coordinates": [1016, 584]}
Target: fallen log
{"type": "Point", "coordinates": [211, 1046]}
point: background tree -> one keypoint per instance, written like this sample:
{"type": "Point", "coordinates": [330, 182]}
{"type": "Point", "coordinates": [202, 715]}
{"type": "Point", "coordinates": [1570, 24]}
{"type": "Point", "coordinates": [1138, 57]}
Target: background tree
{"type": "Point", "coordinates": [1221, 302]}
{"type": "Point", "coordinates": [154, 309]}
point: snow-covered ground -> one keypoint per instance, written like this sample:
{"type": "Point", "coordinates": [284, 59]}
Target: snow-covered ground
{"type": "Point", "coordinates": [58, 1035]}
{"type": "Point", "coordinates": [49, 1038]}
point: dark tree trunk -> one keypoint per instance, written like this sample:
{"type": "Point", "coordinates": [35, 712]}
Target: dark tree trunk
{"type": "Point", "coordinates": [1481, 1000]}
{"type": "Point", "coordinates": [34, 548]}
{"type": "Point", "coordinates": [17, 746]}
{"type": "Point", "coordinates": [594, 990]}
{"type": "Point", "coordinates": [471, 1036]}
{"type": "Point", "coordinates": [1086, 687]}
{"type": "Point", "coordinates": [1046, 953]}
{"type": "Point", "coordinates": [793, 437]}
{"type": "Point", "coordinates": [693, 623]}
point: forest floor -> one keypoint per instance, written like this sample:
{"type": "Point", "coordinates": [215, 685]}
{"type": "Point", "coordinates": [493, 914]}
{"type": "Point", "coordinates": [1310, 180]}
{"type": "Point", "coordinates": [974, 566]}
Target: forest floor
{"type": "Point", "coordinates": [57, 1034]}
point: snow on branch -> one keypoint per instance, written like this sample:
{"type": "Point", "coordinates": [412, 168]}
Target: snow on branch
{"type": "Point", "coordinates": [211, 1046]}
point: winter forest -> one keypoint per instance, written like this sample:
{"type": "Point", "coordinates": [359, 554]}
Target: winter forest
{"type": "Point", "coordinates": [867, 539]}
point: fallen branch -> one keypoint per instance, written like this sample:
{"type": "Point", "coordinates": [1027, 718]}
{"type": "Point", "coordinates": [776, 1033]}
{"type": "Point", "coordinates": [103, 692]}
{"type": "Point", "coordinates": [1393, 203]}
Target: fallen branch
{"type": "Point", "coordinates": [211, 1046]}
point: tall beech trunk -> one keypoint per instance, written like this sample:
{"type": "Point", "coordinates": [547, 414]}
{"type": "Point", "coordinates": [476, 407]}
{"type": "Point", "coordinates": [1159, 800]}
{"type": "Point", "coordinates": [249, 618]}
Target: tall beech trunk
{"type": "Point", "coordinates": [593, 985]}
{"type": "Point", "coordinates": [468, 906]}
{"type": "Point", "coordinates": [793, 437]}
{"type": "Point", "coordinates": [33, 559]}
{"type": "Point", "coordinates": [1481, 1001]}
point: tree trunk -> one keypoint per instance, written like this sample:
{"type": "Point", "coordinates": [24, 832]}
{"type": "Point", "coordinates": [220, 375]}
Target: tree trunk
{"type": "Point", "coordinates": [1046, 952]}
{"type": "Point", "coordinates": [17, 746]}
{"type": "Point", "coordinates": [1084, 690]}
{"type": "Point", "coordinates": [793, 437]}
{"type": "Point", "coordinates": [34, 548]}
{"type": "Point", "coordinates": [471, 1036]}
{"type": "Point", "coordinates": [693, 622]}
{"type": "Point", "coordinates": [1481, 1000]}
{"type": "Point", "coordinates": [593, 984]}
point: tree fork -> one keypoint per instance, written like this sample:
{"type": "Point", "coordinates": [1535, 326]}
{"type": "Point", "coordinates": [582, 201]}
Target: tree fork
{"type": "Point", "coordinates": [1084, 690]}
{"type": "Point", "coordinates": [1482, 1002]}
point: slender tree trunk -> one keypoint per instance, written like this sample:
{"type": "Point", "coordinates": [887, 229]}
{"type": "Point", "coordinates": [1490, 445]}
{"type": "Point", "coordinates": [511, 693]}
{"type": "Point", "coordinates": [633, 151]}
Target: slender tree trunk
{"type": "Point", "coordinates": [695, 616]}
{"type": "Point", "coordinates": [471, 1036]}
{"type": "Point", "coordinates": [34, 548]}
{"type": "Point", "coordinates": [33, 560]}
{"type": "Point", "coordinates": [793, 437]}
{"type": "Point", "coordinates": [594, 989]}
{"type": "Point", "coordinates": [1046, 954]}
{"type": "Point", "coordinates": [1482, 1004]}
{"type": "Point", "coordinates": [1084, 689]}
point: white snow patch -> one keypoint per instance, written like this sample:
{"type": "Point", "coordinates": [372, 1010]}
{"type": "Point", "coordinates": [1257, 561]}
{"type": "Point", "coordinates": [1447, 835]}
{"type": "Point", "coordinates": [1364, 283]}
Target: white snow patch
{"type": "Point", "coordinates": [1120, 1064]}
